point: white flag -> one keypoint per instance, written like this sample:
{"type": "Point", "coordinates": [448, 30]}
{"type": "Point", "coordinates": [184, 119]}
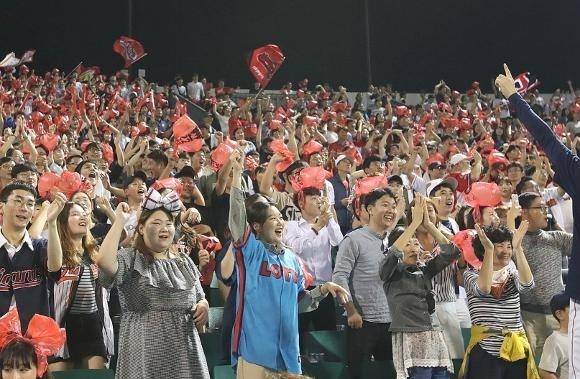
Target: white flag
{"type": "Point", "coordinates": [10, 60]}
{"type": "Point", "coordinates": [27, 57]}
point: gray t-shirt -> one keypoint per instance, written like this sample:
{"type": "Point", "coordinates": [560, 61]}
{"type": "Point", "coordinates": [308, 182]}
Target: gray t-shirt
{"type": "Point", "coordinates": [359, 259]}
{"type": "Point", "coordinates": [544, 252]}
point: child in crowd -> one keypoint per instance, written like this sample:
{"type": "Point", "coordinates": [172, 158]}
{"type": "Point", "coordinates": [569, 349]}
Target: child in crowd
{"type": "Point", "coordinates": [554, 362]}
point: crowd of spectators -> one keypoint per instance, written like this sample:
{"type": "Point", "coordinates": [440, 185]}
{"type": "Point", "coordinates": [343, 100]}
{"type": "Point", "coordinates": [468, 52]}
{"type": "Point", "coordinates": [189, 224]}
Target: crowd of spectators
{"type": "Point", "coordinates": [419, 220]}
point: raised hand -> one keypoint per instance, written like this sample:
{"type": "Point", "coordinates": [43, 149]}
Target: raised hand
{"type": "Point", "coordinates": [204, 257]}
{"type": "Point", "coordinates": [519, 235]}
{"type": "Point", "coordinates": [485, 241]}
{"type": "Point", "coordinates": [506, 83]}
{"type": "Point", "coordinates": [122, 213]}
{"type": "Point", "coordinates": [56, 207]}
{"type": "Point", "coordinates": [190, 217]}
{"type": "Point", "coordinates": [418, 210]}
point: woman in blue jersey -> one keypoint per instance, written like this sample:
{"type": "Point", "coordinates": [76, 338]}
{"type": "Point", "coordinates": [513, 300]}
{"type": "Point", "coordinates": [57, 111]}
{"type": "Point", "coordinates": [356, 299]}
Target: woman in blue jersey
{"type": "Point", "coordinates": [270, 288]}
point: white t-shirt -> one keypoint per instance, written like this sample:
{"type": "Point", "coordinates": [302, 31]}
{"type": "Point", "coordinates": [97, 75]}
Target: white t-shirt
{"type": "Point", "coordinates": [555, 354]}
{"type": "Point", "coordinates": [195, 90]}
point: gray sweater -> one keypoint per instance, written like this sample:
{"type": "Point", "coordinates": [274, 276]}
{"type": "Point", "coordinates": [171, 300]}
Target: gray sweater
{"type": "Point", "coordinates": [544, 252]}
{"type": "Point", "coordinates": [359, 259]}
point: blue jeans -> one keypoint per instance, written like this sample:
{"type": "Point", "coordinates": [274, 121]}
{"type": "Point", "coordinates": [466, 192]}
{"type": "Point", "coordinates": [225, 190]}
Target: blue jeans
{"type": "Point", "coordinates": [428, 373]}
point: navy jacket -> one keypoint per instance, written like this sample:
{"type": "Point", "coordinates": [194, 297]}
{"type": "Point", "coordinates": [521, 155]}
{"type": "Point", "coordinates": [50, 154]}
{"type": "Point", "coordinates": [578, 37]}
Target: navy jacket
{"type": "Point", "coordinates": [342, 213]}
{"type": "Point", "coordinates": [25, 277]}
{"type": "Point", "coordinates": [566, 166]}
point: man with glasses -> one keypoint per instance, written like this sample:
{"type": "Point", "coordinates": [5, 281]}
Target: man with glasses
{"type": "Point", "coordinates": [25, 172]}
{"type": "Point", "coordinates": [24, 262]}
{"type": "Point", "coordinates": [544, 251]}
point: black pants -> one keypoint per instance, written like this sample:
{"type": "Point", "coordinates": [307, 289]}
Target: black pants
{"type": "Point", "coordinates": [483, 365]}
{"type": "Point", "coordinates": [372, 339]}
{"type": "Point", "coordinates": [323, 318]}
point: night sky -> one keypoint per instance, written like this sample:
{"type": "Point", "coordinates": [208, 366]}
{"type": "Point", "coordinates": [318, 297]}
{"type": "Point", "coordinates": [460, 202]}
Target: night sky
{"type": "Point", "coordinates": [413, 43]}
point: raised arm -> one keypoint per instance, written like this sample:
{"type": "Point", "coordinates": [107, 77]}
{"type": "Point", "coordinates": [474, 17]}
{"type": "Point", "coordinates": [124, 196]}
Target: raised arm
{"type": "Point", "coordinates": [524, 271]}
{"type": "Point", "coordinates": [268, 177]}
{"type": "Point", "coordinates": [566, 165]}
{"type": "Point", "coordinates": [237, 218]}
{"type": "Point", "coordinates": [54, 244]}
{"type": "Point", "coordinates": [486, 272]}
{"type": "Point", "coordinates": [107, 258]}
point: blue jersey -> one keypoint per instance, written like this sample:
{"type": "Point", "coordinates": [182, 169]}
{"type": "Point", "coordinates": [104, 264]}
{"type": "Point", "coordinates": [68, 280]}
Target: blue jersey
{"type": "Point", "coordinates": [270, 284]}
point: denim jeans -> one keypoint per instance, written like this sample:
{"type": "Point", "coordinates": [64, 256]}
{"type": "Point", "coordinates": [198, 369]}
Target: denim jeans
{"type": "Point", "coordinates": [428, 373]}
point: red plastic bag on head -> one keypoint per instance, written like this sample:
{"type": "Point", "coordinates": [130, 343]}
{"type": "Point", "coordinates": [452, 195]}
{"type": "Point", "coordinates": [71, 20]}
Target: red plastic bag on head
{"type": "Point", "coordinates": [47, 183]}
{"type": "Point", "coordinates": [309, 177]}
{"type": "Point", "coordinates": [311, 147]}
{"type": "Point", "coordinates": [328, 115]}
{"type": "Point", "coordinates": [464, 241]}
{"type": "Point", "coordinates": [70, 182]}
{"type": "Point", "coordinates": [278, 146]}
{"type": "Point", "coordinates": [352, 152]}
{"type": "Point", "coordinates": [483, 194]}
{"type": "Point", "coordinates": [191, 146]}
{"type": "Point", "coordinates": [339, 106]}
{"type": "Point", "coordinates": [168, 183]}
{"type": "Point", "coordinates": [310, 121]}
{"type": "Point", "coordinates": [402, 111]}
{"type": "Point", "coordinates": [107, 152]}
{"type": "Point", "coordinates": [275, 124]}
{"type": "Point", "coordinates": [49, 141]}
{"type": "Point", "coordinates": [369, 183]}
{"type": "Point", "coordinates": [498, 161]}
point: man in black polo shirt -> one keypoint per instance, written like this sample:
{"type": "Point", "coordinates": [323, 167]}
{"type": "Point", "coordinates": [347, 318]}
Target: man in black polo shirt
{"type": "Point", "coordinates": [23, 261]}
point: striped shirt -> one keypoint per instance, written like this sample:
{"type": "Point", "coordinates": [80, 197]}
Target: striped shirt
{"type": "Point", "coordinates": [486, 310]}
{"type": "Point", "coordinates": [358, 262]}
{"type": "Point", "coordinates": [84, 301]}
{"type": "Point", "coordinates": [444, 282]}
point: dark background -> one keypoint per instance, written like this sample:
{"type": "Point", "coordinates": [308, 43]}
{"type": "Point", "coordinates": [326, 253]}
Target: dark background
{"type": "Point", "coordinates": [414, 43]}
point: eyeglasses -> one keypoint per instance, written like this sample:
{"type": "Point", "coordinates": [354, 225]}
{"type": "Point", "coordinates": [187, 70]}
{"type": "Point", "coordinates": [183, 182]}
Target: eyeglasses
{"type": "Point", "coordinates": [18, 202]}
{"type": "Point", "coordinates": [543, 208]}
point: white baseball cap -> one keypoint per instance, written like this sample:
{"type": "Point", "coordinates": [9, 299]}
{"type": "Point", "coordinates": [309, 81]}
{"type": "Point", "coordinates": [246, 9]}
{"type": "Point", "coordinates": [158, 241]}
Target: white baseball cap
{"type": "Point", "coordinates": [435, 184]}
{"type": "Point", "coordinates": [341, 157]}
{"type": "Point", "coordinates": [457, 158]}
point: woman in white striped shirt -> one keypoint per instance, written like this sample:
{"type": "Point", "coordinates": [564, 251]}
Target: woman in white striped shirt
{"type": "Point", "coordinates": [498, 347]}
{"type": "Point", "coordinates": [80, 303]}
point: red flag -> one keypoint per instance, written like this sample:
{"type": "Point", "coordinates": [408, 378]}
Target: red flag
{"type": "Point", "coordinates": [186, 134]}
{"type": "Point", "coordinates": [526, 82]}
{"type": "Point", "coordinates": [265, 61]}
{"type": "Point", "coordinates": [130, 49]}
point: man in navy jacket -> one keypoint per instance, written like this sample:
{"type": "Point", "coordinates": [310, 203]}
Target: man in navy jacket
{"type": "Point", "coordinates": [24, 261]}
{"type": "Point", "coordinates": [566, 166]}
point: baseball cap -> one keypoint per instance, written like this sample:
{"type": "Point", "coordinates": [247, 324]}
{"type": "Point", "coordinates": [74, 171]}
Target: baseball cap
{"type": "Point", "coordinates": [559, 302]}
{"type": "Point", "coordinates": [434, 185]}
{"type": "Point", "coordinates": [137, 175]}
{"type": "Point", "coordinates": [341, 157]}
{"type": "Point", "coordinates": [186, 172]}
{"type": "Point", "coordinates": [457, 158]}
{"type": "Point", "coordinates": [436, 165]}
